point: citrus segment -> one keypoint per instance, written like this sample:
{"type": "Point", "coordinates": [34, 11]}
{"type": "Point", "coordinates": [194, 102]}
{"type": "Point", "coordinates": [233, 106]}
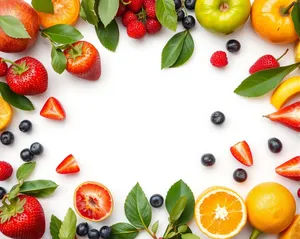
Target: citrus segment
{"type": "Point", "coordinates": [293, 231]}
{"type": "Point", "coordinates": [5, 114]}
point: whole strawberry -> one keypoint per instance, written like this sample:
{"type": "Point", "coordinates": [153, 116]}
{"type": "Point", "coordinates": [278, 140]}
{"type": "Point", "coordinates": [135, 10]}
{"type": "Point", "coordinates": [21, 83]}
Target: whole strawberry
{"type": "Point", "coordinates": [219, 59]}
{"type": "Point", "coordinates": [3, 68]}
{"type": "Point", "coordinates": [23, 219]}
{"type": "Point", "coordinates": [150, 8]}
{"type": "Point", "coordinates": [128, 17]}
{"type": "Point", "coordinates": [136, 29]}
{"type": "Point", "coordinates": [153, 26]}
{"type": "Point", "coordinates": [83, 61]}
{"type": "Point", "coordinates": [27, 76]}
{"type": "Point", "coordinates": [121, 9]}
{"type": "Point", "coordinates": [6, 170]}
{"type": "Point", "coordinates": [135, 5]}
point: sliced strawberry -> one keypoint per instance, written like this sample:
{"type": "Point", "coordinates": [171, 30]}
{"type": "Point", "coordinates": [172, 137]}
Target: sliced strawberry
{"type": "Point", "coordinates": [290, 169]}
{"type": "Point", "coordinates": [68, 165]}
{"type": "Point", "coordinates": [53, 110]}
{"type": "Point", "coordinates": [242, 152]}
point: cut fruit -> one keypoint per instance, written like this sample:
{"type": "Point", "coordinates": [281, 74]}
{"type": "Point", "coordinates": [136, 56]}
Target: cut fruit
{"type": "Point", "coordinates": [53, 110]}
{"type": "Point", "coordinates": [65, 12]}
{"type": "Point", "coordinates": [5, 114]}
{"type": "Point", "coordinates": [68, 165]}
{"type": "Point", "coordinates": [290, 169]}
{"type": "Point", "coordinates": [285, 91]}
{"type": "Point", "coordinates": [242, 152]}
{"type": "Point", "coordinates": [293, 231]}
{"type": "Point", "coordinates": [220, 213]}
{"type": "Point", "coordinates": [93, 201]}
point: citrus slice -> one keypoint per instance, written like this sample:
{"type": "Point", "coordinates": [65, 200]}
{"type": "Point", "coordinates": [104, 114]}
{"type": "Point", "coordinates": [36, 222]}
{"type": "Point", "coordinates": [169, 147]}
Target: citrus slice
{"type": "Point", "coordinates": [5, 114]}
{"type": "Point", "coordinates": [293, 230]}
{"type": "Point", "coordinates": [93, 201]}
{"type": "Point", "coordinates": [220, 213]}
{"type": "Point", "coordinates": [65, 12]}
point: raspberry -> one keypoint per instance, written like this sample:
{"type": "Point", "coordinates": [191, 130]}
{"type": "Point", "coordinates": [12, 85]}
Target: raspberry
{"type": "Point", "coordinates": [3, 68]}
{"type": "Point", "coordinates": [219, 59]}
{"type": "Point", "coordinates": [136, 29]}
{"type": "Point", "coordinates": [5, 170]}
{"type": "Point", "coordinates": [135, 5]}
{"type": "Point", "coordinates": [153, 26]}
{"type": "Point", "coordinates": [121, 10]}
{"type": "Point", "coordinates": [128, 17]}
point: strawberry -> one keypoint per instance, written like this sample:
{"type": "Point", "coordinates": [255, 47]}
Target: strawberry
{"type": "Point", "coordinates": [3, 68]}
{"type": "Point", "coordinates": [135, 5]}
{"type": "Point", "coordinates": [52, 109]}
{"type": "Point", "coordinates": [241, 151]}
{"type": "Point", "coordinates": [288, 116]}
{"type": "Point", "coordinates": [121, 9]}
{"type": "Point", "coordinates": [128, 17]}
{"type": "Point", "coordinates": [6, 170]}
{"type": "Point", "coordinates": [150, 8]}
{"type": "Point", "coordinates": [23, 219]}
{"type": "Point", "coordinates": [153, 26]}
{"type": "Point", "coordinates": [68, 165]}
{"type": "Point", "coordinates": [266, 62]}
{"type": "Point", "coordinates": [83, 61]}
{"type": "Point", "coordinates": [136, 29]}
{"type": "Point", "coordinates": [27, 76]}
{"type": "Point", "coordinates": [219, 59]}
{"type": "Point", "coordinates": [290, 169]}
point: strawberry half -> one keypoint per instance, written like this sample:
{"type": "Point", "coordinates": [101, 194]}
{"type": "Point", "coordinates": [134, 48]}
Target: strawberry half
{"type": "Point", "coordinates": [68, 165]}
{"type": "Point", "coordinates": [53, 110]}
{"type": "Point", "coordinates": [290, 169]}
{"type": "Point", "coordinates": [242, 152]}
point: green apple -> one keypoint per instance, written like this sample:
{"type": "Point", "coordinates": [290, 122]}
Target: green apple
{"type": "Point", "coordinates": [222, 16]}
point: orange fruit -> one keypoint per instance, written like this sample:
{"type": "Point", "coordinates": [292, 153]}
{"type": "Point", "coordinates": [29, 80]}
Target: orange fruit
{"type": "Point", "coordinates": [220, 213]}
{"type": "Point", "coordinates": [65, 12]}
{"type": "Point", "coordinates": [293, 231]}
{"type": "Point", "coordinates": [93, 201]}
{"type": "Point", "coordinates": [5, 114]}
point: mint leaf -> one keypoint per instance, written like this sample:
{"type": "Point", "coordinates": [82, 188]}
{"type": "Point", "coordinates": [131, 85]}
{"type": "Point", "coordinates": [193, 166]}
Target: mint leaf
{"type": "Point", "coordinates": [107, 10]}
{"type": "Point", "coordinates": [13, 27]}
{"type": "Point", "coordinates": [55, 226]}
{"type": "Point", "coordinates": [68, 227]}
{"type": "Point", "coordinates": [186, 51]}
{"type": "Point", "coordinates": [25, 170]}
{"type": "Point", "coordinates": [108, 36]}
{"type": "Point", "coordinates": [178, 209]}
{"type": "Point", "coordinates": [62, 34]}
{"type": "Point", "coordinates": [189, 236]}
{"type": "Point", "coordinates": [155, 227]}
{"type": "Point", "coordinates": [90, 14]}
{"type": "Point", "coordinates": [137, 208]}
{"type": "Point", "coordinates": [38, 188]}
{"type": "Point", "coordinates": [18, 101]}
{"type": "Point", "coordinates": [58, 60]}
{"type": "Point", "coordinates": [166, 14]}
{"type": "Point", "coordinates": [296, 17]}
{"type": "Point", "coordinates": [123, 231]}
{"type": "Point", "coordinates": [43, 6]}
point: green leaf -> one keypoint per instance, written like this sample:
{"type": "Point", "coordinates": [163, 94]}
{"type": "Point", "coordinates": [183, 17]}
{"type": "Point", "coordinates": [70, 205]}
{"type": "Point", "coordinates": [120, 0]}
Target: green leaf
{"type": "Point", "coordinates": [89, 7]}
{"type": "Point", "coordinates": [14, 192]}
{"type": "Point", "coordinates": [189, 236]}
{"type": "Point", "coordinates": [172, 50]}
{"type": "Point", "coordinates": [82, 13]}
{"type": "Point", "coordinates": [155, 227]}
{"type": "Point", "coordinates": [166, 14]}
{"type": "Point", "coordinates": [108, 36]}
{"type": "Point", "coordinates": [38, 188]}
{"type": "Point", "coordinates": [296, 17]}
{"type": "Point", "coordinates": [171, 234]}
{"type": "Point", "coordinates": [13, 27]}
{"type": "Point", "coordinates": [182, 228]}
{"type": "Point", "coordinates": [137, 208]}
{"type": "Point", "coordinates": [178, 209]}
{"type": "Point", "coordinates": [18, 101]}
{"type": "Point", "coordinates": [107, 10]}
{"type": "Point", "coordinates": [25, 170]}
{"type": "Point", "coordinates": [263, 82]}
{"type": "Point", "coordinates": [62, 34]}
{"type": "Point", "coordinates": [186, 51]}
{"type": "Point", "coordinates": [43, 6]}
{"type": "Point", "coordinates": [123, 231]}
{"type": "Point", "coordinates": [68, 227]}
{"type": "Point", "coordinates": [55, 226]}
{"type": "Point", "coordinates": [58, 60]}
{"type": "Point", "coordinates": [178, 190]}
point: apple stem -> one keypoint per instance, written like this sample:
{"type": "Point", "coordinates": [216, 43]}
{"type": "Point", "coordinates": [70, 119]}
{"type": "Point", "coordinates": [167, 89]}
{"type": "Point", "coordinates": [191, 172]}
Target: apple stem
{"type": "Point", "coordinates": [286, 11]}
{"type": "Point", "coordinates": [255, 234]}
{"type": "Point", "coordinates": [286, 51]}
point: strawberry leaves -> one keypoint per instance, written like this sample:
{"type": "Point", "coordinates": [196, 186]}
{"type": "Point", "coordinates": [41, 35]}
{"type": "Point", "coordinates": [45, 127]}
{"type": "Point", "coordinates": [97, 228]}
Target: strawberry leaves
{"type": "Point", "coordinates": [88, 8]}
{"type": "Point", "coordinates": [43, 6]}
{"type": "Point", "coordinates": [58, 60]}
{"type": "Point", "coordinates": [55, 226]}
{"type": "Point", "coordinates": [13, 27]}
{"type": "Point", "coordinates": [109, 35]}
{"type": "Point", "coordinates": [107, 10]}
{"type": "Point", "coordinates": [166, 14]}
{"type": "Point", "coordinates": [25, 170]}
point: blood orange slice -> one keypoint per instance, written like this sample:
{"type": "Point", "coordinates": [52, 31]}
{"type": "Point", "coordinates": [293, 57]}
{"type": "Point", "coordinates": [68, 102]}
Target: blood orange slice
{"type": "Point", "coordinates": [93, 201]}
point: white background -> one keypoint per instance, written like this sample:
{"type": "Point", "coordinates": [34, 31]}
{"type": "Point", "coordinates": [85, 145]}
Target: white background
{"type": "Point", "coordinates": [142, 124]}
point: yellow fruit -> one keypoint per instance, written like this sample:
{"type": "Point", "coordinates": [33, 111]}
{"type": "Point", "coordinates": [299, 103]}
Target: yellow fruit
{"type": "Point", "coordinates": [285, 91]}
{"type": "Point", "coordinates": [5, 114]}
{"type": "Point", "coordinates": [293, 231]}
{"type": "Point", "coordinates": [297, 51]}
{"type": "Point", "coordinates": [220, 213]}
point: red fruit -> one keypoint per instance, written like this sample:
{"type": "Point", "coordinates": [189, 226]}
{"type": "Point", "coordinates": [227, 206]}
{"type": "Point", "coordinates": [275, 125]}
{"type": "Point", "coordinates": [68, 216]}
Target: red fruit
{"type": "Point", "coordinates": [153, 26]}
{"type": "Point", "coordinates": [148, 3]}
{"type": "Point", "coordinates": [136, 29]}
{"type": "Point", "coordinates": [121, 10]}
{"type": "Point", "coordinates": [242, 152]}
{"type": "Point", "coordinates": [27, 15]}
{"type": "Point", "coordinates": [128, 17]}
{"type": "Point", "coordinates": [68, 165]}
{"type": "Point", "coordinates": [298, 193]}
{"type": "Point", "coordinates": [6, 170]}
{"type": "Point", "coordinates": [150, 8]}
{"type": "Point", "coordinates": [3, 68]}
{"type": "Point", "coordinates": [52, 109]}
{"type": "Point", "coordinates": [219, 59]}
{"type": "Point", "coordinates": [27, 76]}
{"type": "Point", "coordinates": [83, 61]}
{"type": "Point", "coordinates": [290, 169]}
{"type": "Point", "coordinates": [288, 116]}
{"type": "Point", "coordinates": [25, 219]}
{"type": "Point", "coordinates": [135, 5]}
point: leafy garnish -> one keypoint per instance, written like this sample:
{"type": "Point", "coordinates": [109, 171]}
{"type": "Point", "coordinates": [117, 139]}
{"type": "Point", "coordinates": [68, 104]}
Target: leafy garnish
{"type": "Point", "coordinates": [107, 10]}
{"type": "Point", "coordinates": [189, 236]}
{"type": "Point", "coordinates": [296, 16]}
{"type": "Point", "coordinates": [13, 27]}
{"type": "Point", "coordinates": [186, 51]}
{"type": "Point", "coordinates": [109, 35]}
{"type": "Point", "coordinates": [38, 188]}
{"type": "Point", "coordinates": [55, 226]}
{"type": "Point", "coordinates": [58, 60]}
{"type": "Point", "coordinates": [43, 6]}
{"type": "Point", "coordinates": [166, 14]}
{"type": "Point", "coordinates": [68, 227]}
{"type": "Point", "coordinates": [154, 227]}
{"type": "Point", "coordinates": [25, 170]}
{"type": "Point", "coordinates": [123, 231]}
{"type": "Point", "coordinates": [178, 209]}
{"type": "Point", "coordinates": [89, 8]}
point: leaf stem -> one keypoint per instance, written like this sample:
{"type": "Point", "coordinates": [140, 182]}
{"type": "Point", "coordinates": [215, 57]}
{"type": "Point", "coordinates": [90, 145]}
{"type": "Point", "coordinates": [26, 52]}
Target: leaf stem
{"type": "Point", "coordinates": [255, 234]}
{"type": "Point", "coordinates": [169, 229]}
{"type": "Point", "coordinates": [150, 233]}
{"type": "Point", "coordinates": [13, 63]}
{"type": "Point", "coordinates": [285, 11]}
{"type": "Point", "coordinates": [9, 207]}
{"type": "Point", "coordinates": [286, 51]}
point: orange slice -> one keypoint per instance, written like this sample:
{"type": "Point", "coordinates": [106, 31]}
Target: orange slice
{"type": "Point", "coordinates": [65, 12]}
{"type": "Point", "coordinates": [5, 114]}
{"type": "Point", "coordinates": [293, 230]}
{"type": "Point", "coordinates": [220, 213]}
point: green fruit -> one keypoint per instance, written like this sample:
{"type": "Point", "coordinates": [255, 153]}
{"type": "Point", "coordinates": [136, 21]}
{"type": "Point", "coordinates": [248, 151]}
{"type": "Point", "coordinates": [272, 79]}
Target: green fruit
{"type": "Point", "coordinates": [222, 16]}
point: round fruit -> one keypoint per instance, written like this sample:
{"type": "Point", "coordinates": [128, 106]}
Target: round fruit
{"type": "Point", "coordinates": [178, 4]}
{"type": "Point", "coordinates": [36, 148]}
{"type": "Point", "coordinates": [293, 231]}
{"type": "Point", "coordinates": [220, 213]}
{"type": "Point", "coordinates": [190, 4]}
{"type": "Point", "coordinates": [275, 145]}
{"type": "Point", "coordinates": [6, 170]}
{"type": "Point", "coordinates": [7, 138]}
{"type": "Point", "coordinates": [222, 16]}
{"type": "Point", "coordinates": [5, 114]}
{"type": "Point", "coordinates": [156, 201]}
{"type": "Point", "coordinates": [27, 15]}
{"type": "Point", "coordinates": [93, 201]}
{"type": "Point", "coordinates": [233, 46]}
{"type": "Point", "coordinates": [2, 193]}
{"type": "Point", "coordinates": [93, 234]}
{"type": "Point", "coordinates": [82, 229]}
{"type": "Point", "coordinates": [298, 193]}
{"type": "Point", "coordinates": [105, 232]}
{"type": "Point", "coordinates": [26, 155]}
{"type": "Point", "coordinates": [240, 175]}
{"type": "Point", "coordinates": [217, 118]}
{"type": "Point", "coordinates": [188, 22]}
{"type": "Point", "coordinates": [25, 126]}
{"type": "Point", "coordinates": [208, 160]}
{"type": "Point", "coordinates": [180, 15]}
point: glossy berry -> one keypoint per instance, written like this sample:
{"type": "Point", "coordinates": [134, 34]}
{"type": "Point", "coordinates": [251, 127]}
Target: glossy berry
{"type": "Point", "coordinates": [26, 155]}
{"type": "Point", "coordinates": [188, 22]}
{"type": "Point", "coordinates": [82, 229]}
{"type": "Point", "coordinates": [240, 175]}
{"type": "Point", "coordinates": [3, 68]}
{"type": "Point", "coordinates": [156, 201]}
{"type": "Point", "coordinates": [6, 170]}
{"type": "Point", "coordinates": [178, 4]}
{"type": "Point", "coordinates": [121, 9]}
{"type": "Point", "coordinates": [233, 46]}
{"type": "Point", "coordinates": [208, 160]}
{"type": "Point", "coordinates": [180, 15]}
{"type": "Point", "coordinates": [217, 118]}
{"type": "Point", "coordinates": [7, 138]}
{"type": "Point", "coordinates": [128, 17]}
{"type": "Point", "coordinates": [219, 59]}
{"type": "Point", "coordinates": [298, 193]}
{"type": "Point", "coordinates": [153, 26]}
{"type": "Point", "coordinates": [190, 4]}
{"type": "Point", "coordinates": [275, 145]}
{"type": "Point", "coordinates": [136, 29]}
{"type": "Point", "coordinates": [93, 234]}
{"type": "Point", "coordinates": [2, 192]}
{"type": "Point", "coordinates": [25, 126]}
{"type": "Point", "coordinates": [36, 148]}
{"type": "Point", "coordinates": [105, 232]}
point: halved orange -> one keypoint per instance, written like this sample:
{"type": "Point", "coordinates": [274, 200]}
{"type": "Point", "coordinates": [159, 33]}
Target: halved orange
{"type": "Point", "coordinates": [65, 12]}
{"type": "Point", "coordinates": [293, 231]}
{"type": "Point", "coordinates": [220, 213]}
{"type": "Point", "coordinates": [93, 201]}
{"type": "Point", "coordinates": [5, 114]}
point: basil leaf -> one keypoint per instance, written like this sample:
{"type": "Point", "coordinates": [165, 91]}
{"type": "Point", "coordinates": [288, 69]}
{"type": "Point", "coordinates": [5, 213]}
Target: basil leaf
{"type": "Point", "coordinates": [107, 10]}
{"type": "Point", "coordinates": [166, 14]}
{"type": "Point", "coordinates": [262, 82]}
{"type": "Point", "coordinates": [178, 209]}
{"type": "Point", "coordinates": [62, 34]}
{"type": "Point", "coordinates": [68, 227]}
{"type": "Point", "coordinates": [189, 236]}
{"type": "Point", "coordinates": [38, 188]}
{"type": "Point", "coordinates": [89, 10]}
{"type": "Point", "coordinates": [186, 51]}
{"type": "Point", "coordinates": [296, 17]}
{"type": "Point", "coordinates": [155, 227]}
{"type": "Point", "coordinates": [58, 60]}
{"type": "Point", "coordinates": [108, 36]}
{"type": "Point", "coordinates": [18, 101]}
{"type": "Point", "coordinates": [43, 6]}
{"type": "Point", "coordinates": [178, 190]}
{"type": "Point", "coordinates": [123, 231]}
{"type": "Point", "coordinates": [55, 226]}
{"type": "Point", "coordinates": [25, 170]}
{"type": "Point", "coordinates": [137, 208]}
{"type": "Point", "coordinates": [13, 27]}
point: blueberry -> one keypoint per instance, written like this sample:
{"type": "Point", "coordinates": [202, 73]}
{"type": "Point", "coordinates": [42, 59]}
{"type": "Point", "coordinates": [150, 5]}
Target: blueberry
{"type": "Point", "coordinates": [180, 15]}
{"type": "Point", "coordinates": [188, 22]}
{"type": "Point", "coordinates": [25, 126]}
{"type": "Point", "coordinates": [190, 4]}
{"type": "Point", "coordinates": [178, 4]}
{"type": "Point", "coordinates": [208, 160]}
{"type": "Point", "coordinates": [217, 118]}
{"type": "Point", "coordinates": [93, 234]}
{"type": "Point", "coordinates": [240, 175]}
{"type": "Point", "coordinates": [82, 229]}
{"type": "Point", "coordinates": [26, 155]}
{"type": "Point", "coordinates": [2, 192]}
{"type": "Point", "coordinates": [36, 148]}
{"type": "Point", "coordinates": [156, 201]}
{"type": "Point", "coordinates": [233, 46]}
{"type": "Point", "coordinates": [105, 232]}
{"type": "Point", "coordinates": [275, 145]}
{"type": "Point", "coordinates": [7, 138]}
